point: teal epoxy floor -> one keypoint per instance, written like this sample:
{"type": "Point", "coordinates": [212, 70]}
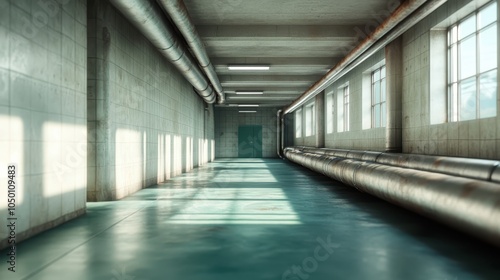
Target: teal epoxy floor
{"type": "Point", "coordinates": [252, 219]}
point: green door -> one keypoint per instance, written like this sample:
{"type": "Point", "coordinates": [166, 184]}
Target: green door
{"type": "Point", "coordinates": [250, 141]}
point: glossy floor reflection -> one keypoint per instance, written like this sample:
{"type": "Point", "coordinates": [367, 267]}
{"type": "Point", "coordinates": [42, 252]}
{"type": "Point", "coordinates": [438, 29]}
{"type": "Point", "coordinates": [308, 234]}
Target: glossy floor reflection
{"type": "Point", "coordinates": [252, 219]}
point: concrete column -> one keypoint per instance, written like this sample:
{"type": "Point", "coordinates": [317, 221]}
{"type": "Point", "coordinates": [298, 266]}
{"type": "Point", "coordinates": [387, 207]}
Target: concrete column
{"type": "Point", "coordinates": [438, 97]}
{"type": "Point", "coordinates": [320, 120]}
{"type": "Point", "coordinates": [278, 132]}
{"type": "Point", "coordinates": [101, 174]}
{"type": "Point", "coordinates": [394, 70]}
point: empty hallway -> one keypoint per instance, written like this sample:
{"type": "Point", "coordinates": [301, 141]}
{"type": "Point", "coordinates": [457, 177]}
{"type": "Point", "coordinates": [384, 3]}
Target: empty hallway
{"type": "Point", "coordinates": [252, 219]}
{"type": "Point", "coordinates": [227, 139]}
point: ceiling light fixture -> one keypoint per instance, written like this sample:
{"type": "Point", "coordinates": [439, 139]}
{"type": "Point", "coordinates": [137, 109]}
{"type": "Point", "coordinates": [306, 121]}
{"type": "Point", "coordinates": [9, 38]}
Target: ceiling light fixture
{"type": "Point", "coordinates": [247, 111]}
{"type": "Point", "coordinates": [248, 67]}
{"type": "Point", "coordinates": [248, 105]}
{"type": "Point", "coordinates": [249, 92]}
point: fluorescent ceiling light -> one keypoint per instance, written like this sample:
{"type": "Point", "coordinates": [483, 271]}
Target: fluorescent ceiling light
{"type": "Point", "coordinates": [248, 67]}
{"type": "Point", "coordinates": [247, 111]}
{"type": "Point", "coordinates": [248, 105]}
{"type": "Point", "coordinates": [249, 92]}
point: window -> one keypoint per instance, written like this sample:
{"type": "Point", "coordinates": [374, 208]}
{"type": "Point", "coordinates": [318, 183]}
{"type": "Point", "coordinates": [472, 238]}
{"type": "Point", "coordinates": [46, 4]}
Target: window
{"type": "Point", "coordinates": [378, 89]}
{"type": "Point", "coordinates": [472, 66]}
{"type": "Point", "coordinates": [330, 111]}
{"type": "Point", "coordinates": [373, 95]}
{"type": "Point", "coordinates": [298, 123]}
{"type": "Point", "coordinates": [345, 94]}
{"type": "Point", "coordinates": [343, 108]}
{"type": "Point", "coordinates": [310, 120]}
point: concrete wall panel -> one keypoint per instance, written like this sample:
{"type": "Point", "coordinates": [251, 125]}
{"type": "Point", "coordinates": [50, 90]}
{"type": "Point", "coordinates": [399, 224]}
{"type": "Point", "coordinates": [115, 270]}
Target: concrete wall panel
{"type": "Point", "coordinates": [424, 130]}
{"type": "Point", "coordinates": [421, 133]}
{"type": "Point", "coordinates": [43, 116]}
{"type": "Point", "coordinates": [356, 137]}
{"type": "Point", "coordinates": [145, 120]}
{"type": "Point", "coordinates": [227, 121]}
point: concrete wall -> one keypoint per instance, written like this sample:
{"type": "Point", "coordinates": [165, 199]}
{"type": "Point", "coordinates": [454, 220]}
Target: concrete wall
{"type": "Point", "coordinates": [227, 121]}
{"type": "Point", "coordinates": [303, 140]}
{"type": "Point", "coordinates": [356, 137]}
{"type": "Point", "coordinates": [475, 138]}
{"type": "Point", "coordinates": [425, 129]}
{"type": "Point", "coordinates": [146, 124]}
{"type": "Point", "coordinates": [43, 85]}
{"type": "Point", "coordinates": [317, 139]}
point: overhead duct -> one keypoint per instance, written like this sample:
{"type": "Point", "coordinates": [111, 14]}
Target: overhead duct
{"type": "Point", "coordinates": [449, 195]}
{"type": "Point", "coordinates": [150, 20]}
{"type": "Point", "coordinates": [402, 19]}
{"type": "Point", "coordinates": [180, 16]}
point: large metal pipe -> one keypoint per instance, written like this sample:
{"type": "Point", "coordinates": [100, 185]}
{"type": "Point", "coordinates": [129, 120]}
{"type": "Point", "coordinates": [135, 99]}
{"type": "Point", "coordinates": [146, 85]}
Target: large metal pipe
{"type": "Point", "coordinates": [470, 205]}
{"type": "Point", "coordinates": [146, 16]}
{"type": "Point", "coordinates": [463, 167]}
{"type": "Point", "coordinates": [180, 16]}
{"type": "Point", "coordinates": [402, 19]}
{"type": "Point", "coordinates": [495, 176]}
{"type": "Point", "coordinates": [480, 169]}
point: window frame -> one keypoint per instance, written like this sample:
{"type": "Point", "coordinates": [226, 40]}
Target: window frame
{"type": "Point", "coordinates": [310, 119]}
{"type": "Point", "coordinates": [382, 104]}
{"type": "Point", "coordinates": [330, 113]}
{"type": "Point", "coordinates": [454, 79]}
{"type": "Point", "coordinates": [346, 105]}
{"type": "Point", "coordinates": [298, 123]}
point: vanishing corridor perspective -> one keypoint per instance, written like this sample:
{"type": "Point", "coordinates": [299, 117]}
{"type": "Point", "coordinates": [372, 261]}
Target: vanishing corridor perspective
{"type": "Point", "coordinates": [231, 139]}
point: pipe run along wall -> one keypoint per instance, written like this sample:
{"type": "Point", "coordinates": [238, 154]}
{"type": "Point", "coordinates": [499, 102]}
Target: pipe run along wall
{"type": "Point", "coordinates": [149, 19]}
{"type": "Point", "coordinates": [179, 15]}
{"type": "Point", "coordinates": [470, 205]}
{"type": "Point", "coordinates": [402, 19]}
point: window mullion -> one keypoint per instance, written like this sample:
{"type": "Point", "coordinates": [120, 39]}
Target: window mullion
{"type": "Point", "coordinates": [478, 69]}
{"type": "Point", "coordinates": [459, 87]}
{"type": "Point", "coordinates": [373, 100]}
{"type": "Point", "coordinates": [450, 69]}
{"type": "Point", "coordinates": [459, 81]}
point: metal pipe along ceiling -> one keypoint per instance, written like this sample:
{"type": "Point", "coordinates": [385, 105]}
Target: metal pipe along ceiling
{"type": "Point", "coordinates": [470, 205]}
{"type": "Point", "coordinates": [180, 16]}
{"type": "Point", "coordinates": [150, 20]}
{"type": "Point", "coordinates": [408, 13]}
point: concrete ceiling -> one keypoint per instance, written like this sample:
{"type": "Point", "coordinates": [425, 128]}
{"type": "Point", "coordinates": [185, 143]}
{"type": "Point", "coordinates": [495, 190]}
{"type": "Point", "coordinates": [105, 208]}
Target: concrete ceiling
{"type": "Point", "coordinates": [300, 40]}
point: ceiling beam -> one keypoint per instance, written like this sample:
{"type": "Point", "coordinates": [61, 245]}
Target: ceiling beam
{"type": "Point", "coordinates": [279, 41]}
{"type": "Point", "coordinates": [267, 81]}
{"type": "Point", "coordinates": [280, 66]}
{"type": "Point", "coordinates": [232, 98]}
{"type": "Point", "coordinates": [283, 61]}
{"type": "Point", "coordinates": [263, 77]}
{"type": "Point", "coordinates": [273, 91]}
{"type": "Point", "coordinates": [265, 84]}
{"type": "Point", "coordinates": [278, 32]}
{"type": "Point", "coordinates": [275, 104]}
{"type": "Point", "coordinates": [276, 51]}
{"type": "Point", "coordinates": [263, 98]}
